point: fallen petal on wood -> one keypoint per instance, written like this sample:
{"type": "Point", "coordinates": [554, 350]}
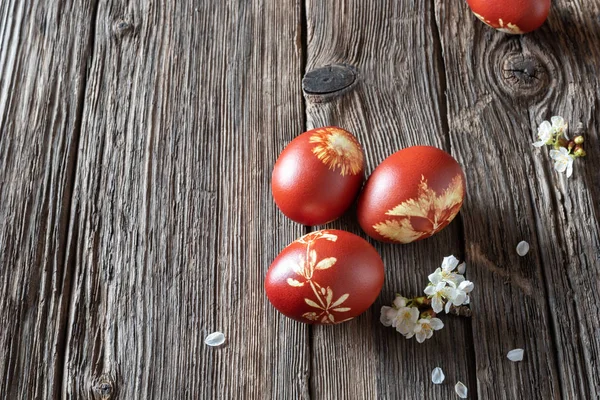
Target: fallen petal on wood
{"type": "Point", "coordinates": [437, 376]}
{"type": "Point", "coordinates": [515, 355]}
{"type": "Point", "coordinates": [461, 390]}
{"type": "Point", "coordinates": [522, 248]}
{"type": "Point", "coordinates": [215, 339]}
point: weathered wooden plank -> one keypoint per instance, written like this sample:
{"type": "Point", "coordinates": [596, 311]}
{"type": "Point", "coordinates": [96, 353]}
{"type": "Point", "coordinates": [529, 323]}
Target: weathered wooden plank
{"type": "Point", "coordinates": [544, 302]}
{"type": "Point", "coordinates": [398, 102]}
{"type": "Point", "coordinates": [568, 212]}
{"type": "Point", "coordinates": [188, 105]}
{"type": "Point", "coordinates": [44, 49]}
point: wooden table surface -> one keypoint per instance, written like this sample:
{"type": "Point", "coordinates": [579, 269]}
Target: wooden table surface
{"type": "Point", "coordinates": [137, 141]}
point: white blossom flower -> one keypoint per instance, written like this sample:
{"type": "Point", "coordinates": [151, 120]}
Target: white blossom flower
{"type": "Point", "coordinates": [547, 131]}
{"type": "Point", "coordinates": [437, 376]}
{"type": "Point", "coordinates": [438, 293]}
{"type": "Point", "coordinates": [515, 355]}
{"type": "Point", "coordinates": [424, 328]}
{"type": "Point", "coordinates": [387, 315]}
{"type": "Point", "coordinates": [545, 134]}
{"type": "Point", "coordinates": [445, 273]}
{"type": "Point", "coordinates": [460, 295]}
{"type": "Point", "coordinates": [406, 320]}
{"type": "Point", "coordinates": [461, 390]}
{"type": "Point", "coordinates": [563, 161]}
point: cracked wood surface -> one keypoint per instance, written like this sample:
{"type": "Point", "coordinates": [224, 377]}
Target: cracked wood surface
{"type": "Point", "coordinates": [136, 145]}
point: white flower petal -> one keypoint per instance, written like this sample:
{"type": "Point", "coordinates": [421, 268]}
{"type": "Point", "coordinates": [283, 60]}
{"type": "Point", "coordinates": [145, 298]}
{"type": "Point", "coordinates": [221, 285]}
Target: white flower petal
{"type": "Point", "coordinates": [515, 355]}
{"type": "Point", "coordinates": [558, 123]}
{"type": "Point", "coordinates": [522, 248]}
{"type": "Point", "coordinates": [555, 154]}
{"type": "Point", "coordinates": [560, 166]}
{"type": "Point", "coordinates": [436, 324]}
{"type": "Point", "coordinates": [437, 304]}
{"type": "Point", "coordinates": [437, 376]}
{"type": "Point", "coordinates": [449, 263]}
{"type": "Point", "coordinates": [466, 286]}
{"type": "Point", "coordinates": [539, 144]}
{"type": "Point", "coordinates": [436, 277]}
{"type": "Point", "coordinates": [569, 169]}
{"type": "Point", "coordinates": [448, 306]}
{"type": "Point", "coordinates": [449, 292]}
{"type": "Point", "coordinates": [414, 314]}
{"type": "Point", "coordinates": [460, 298]}
{"type": "Point", "coordinates": [461, 390]}
{"type": "Point", "coordinates": [215, 339]}
{"type": "Point", "coordinates": [384, 319]}
{"type": "Point", "coordinates": [544, 127]}
{"type": "Point", "coordinates": [421, 336]}
{"type": "Point", "coordinates": [462, 267]}
{"type": "Point", "coordinates": [430, 290]}
{"type": "Point", "coordinates": [405, 327]}
{"type": "Point", "coordinates": [392, 313]}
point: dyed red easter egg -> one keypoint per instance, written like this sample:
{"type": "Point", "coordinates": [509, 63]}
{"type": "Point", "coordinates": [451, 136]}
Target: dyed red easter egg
{"type": "Point", "coordinates": [325, 277]}
{"type": "Point", "coordinates": [411, 195]}
{"type": "Point", "coordinates": [317, 176]}
{"type": "Point", "coordinates": [511, 16]}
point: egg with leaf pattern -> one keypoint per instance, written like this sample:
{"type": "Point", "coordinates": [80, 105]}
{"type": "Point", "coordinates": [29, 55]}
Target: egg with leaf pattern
{"type": "Point", "coordinates": [413, 194]}
{"type": "Point", "coordinates": [325, 277]}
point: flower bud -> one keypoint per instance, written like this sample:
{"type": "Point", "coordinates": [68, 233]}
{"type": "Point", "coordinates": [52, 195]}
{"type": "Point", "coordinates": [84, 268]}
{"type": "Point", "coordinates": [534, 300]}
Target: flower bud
{"type": "Point", "coordinates": [578, 139]}
{"type": "Point", "coordinates": [579, 151]}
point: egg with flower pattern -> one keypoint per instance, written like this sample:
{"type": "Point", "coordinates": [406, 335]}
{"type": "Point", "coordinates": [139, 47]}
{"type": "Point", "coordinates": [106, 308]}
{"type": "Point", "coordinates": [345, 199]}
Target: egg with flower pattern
{"type": "Point", "coordinates": [413, 194]}
{"type": "Point", "coordinates": [318, 175]}
{"type": "Point", "coordinates": [325, 277]}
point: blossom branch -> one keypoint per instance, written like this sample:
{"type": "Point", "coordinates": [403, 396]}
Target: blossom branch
{"type": "Point", "coordinates": [447, 291]}
{"type": "Point", "coordinates": [564, 151]}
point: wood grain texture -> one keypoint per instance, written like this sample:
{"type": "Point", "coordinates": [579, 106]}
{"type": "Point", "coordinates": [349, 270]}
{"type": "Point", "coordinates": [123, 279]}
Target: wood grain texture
{"type": "Point", "coordinates": [397, 103]}
{"type": "Point", "coordinates": [546, 301]}
{"type": "Point", "coordinates": [187, 106]}
{"type": "Point", "coordinates": [136, 145]}
{"type": "Point", "coordinates": [44, 50]}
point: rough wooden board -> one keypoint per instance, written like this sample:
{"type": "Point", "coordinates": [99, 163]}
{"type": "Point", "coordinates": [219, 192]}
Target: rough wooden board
{"type": "Point", "coordinates": [546, 301]}
{"type": "Point", "coordinates": [188, 105]}
{"type": "Point", "coordinates": [568, 211]}
{"type": "Point", "coordinates": [397, 103]}
{"type": "Point", "coordinates": [44, 49]}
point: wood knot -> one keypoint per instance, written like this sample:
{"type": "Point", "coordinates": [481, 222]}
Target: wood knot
{"type": "Point", "coordinates": [326, 83]}
{"type": "Point", "coordinates": [524, 76]}
{"type": "Point", "coordinates": [122, 27]}
{"type": "Point", "coordinates": [104, 388]}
